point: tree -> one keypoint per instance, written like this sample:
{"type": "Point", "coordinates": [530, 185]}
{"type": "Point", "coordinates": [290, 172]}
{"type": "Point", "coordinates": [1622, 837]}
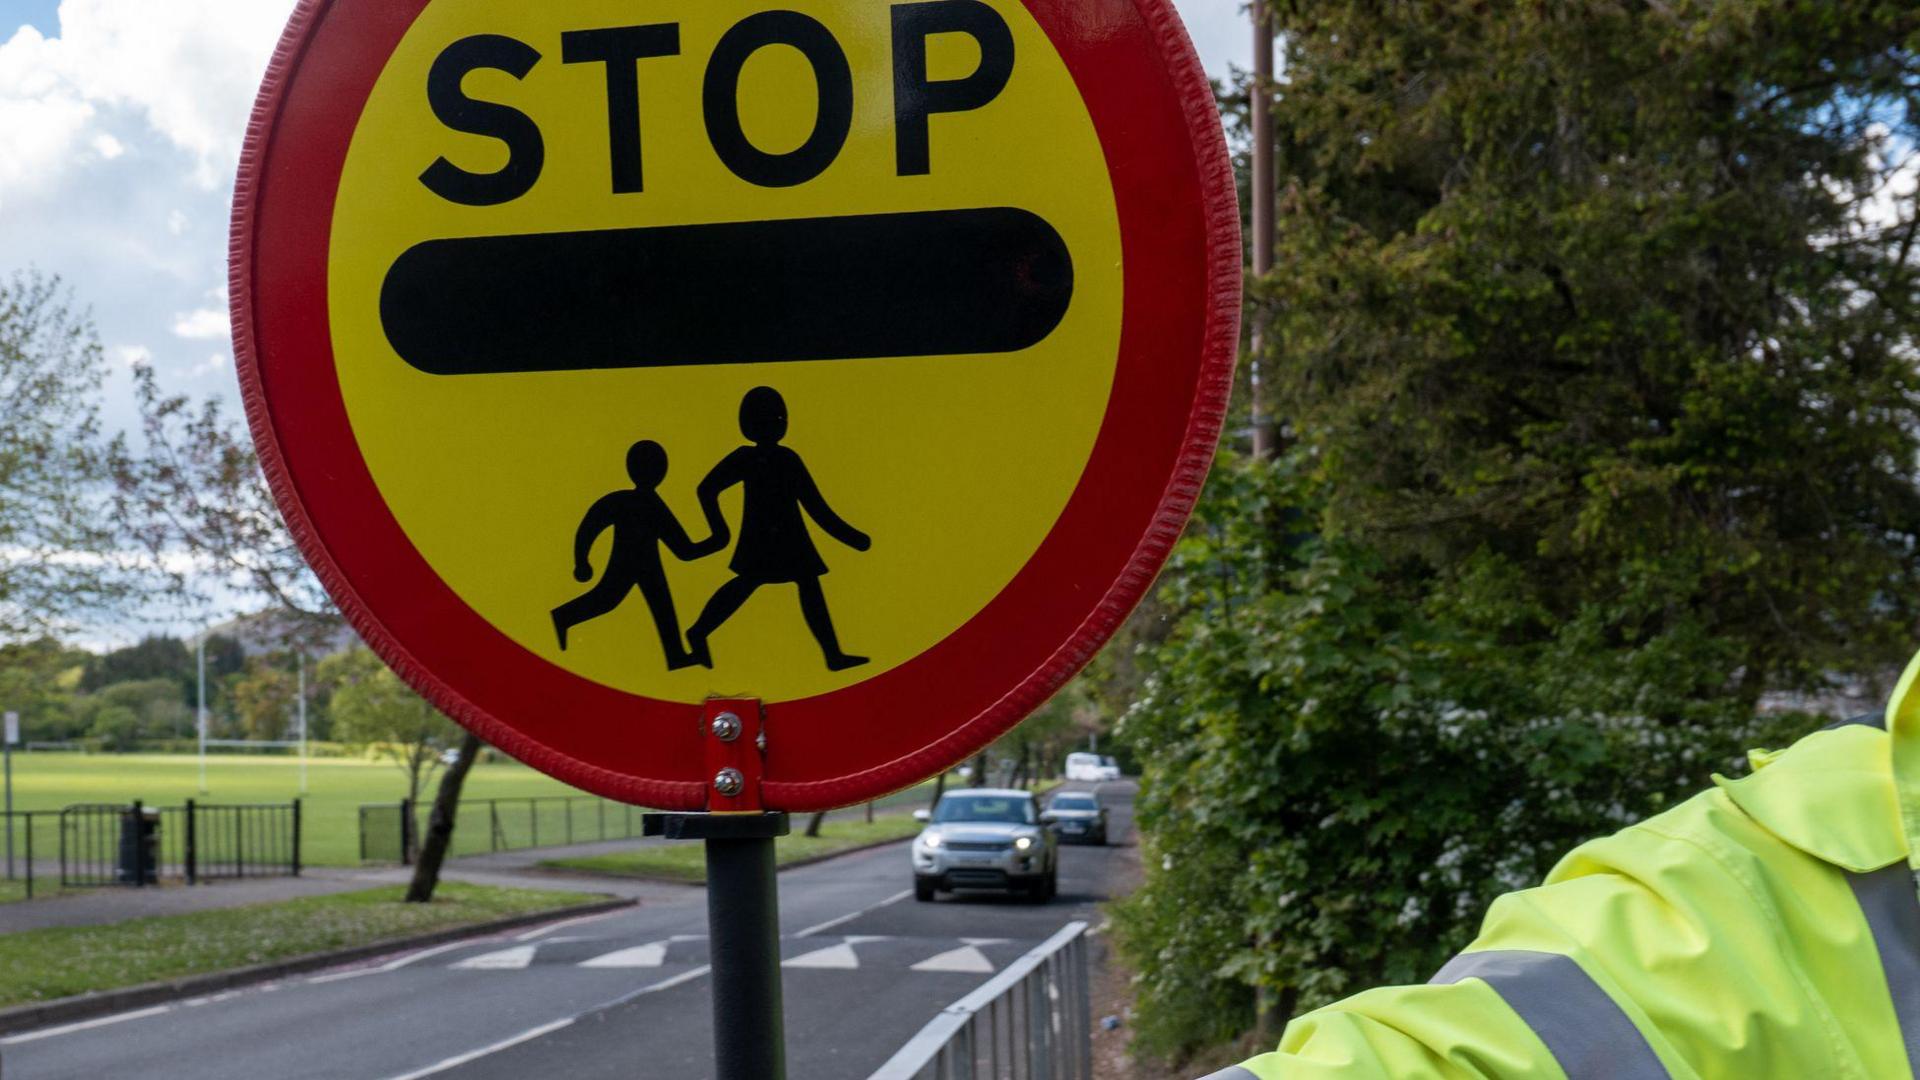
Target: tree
{"type": "Point", "coordinates": [156, 656]}
{"type": "Point", "coordinates": [446, 810]}
{"type": "Point", "coordinates": [371, 707]}
{"type": "Point", "coordinates": [125, 713]}
{"type": "Point", "coordinates": [1594, 328]}
{"type": "Point", "coordinates": [193, 484]}
{"type": "Point", "coordinates": [37, 680]}
{"type": "Point", "coordinates": [58, 560]}
{"type": "Point", "coordinates": [265, 700]}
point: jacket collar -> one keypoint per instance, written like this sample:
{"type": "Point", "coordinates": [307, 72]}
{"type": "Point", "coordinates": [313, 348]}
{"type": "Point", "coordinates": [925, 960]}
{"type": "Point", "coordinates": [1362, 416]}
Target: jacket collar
{"type": "Point", "coordinates": [1831, 795]}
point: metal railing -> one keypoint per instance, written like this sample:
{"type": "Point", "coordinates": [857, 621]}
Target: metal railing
{"type": "Point", "coordinates": [390, 832]}
{"type": "Point", "coordinates": [30, 836]}
{"type": "Point", "coordinates": [1033, 1021]}
{"type": "Point", "coordinates": [102, 844]}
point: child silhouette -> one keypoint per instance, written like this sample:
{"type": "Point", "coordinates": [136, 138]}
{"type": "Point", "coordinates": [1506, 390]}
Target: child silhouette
{"type": "Point", "coordinates": [641, 523]}
{"type": "Point", "coordinates": [775, 547]}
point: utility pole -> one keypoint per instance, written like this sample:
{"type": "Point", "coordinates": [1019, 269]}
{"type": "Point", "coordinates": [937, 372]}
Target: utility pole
{"type": "Point", "coordinates": [9, 736]}
{"type": "Point", "coordinates": [200, 652]}
{"type": "Point", "coordinates": [1263, 237]}
{"type": "Point", "coordinates": [300, 661]}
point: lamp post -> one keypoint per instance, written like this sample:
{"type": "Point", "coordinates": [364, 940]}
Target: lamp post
{"type": "Point", "coordinates": [1261, 92]}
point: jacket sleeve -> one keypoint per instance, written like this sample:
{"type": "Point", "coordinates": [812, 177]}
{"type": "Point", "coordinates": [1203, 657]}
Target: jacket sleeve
{"type": "Point", "coordinates": [1462, 1031]}
{"type": "Point", "coordinates": [1696, 944]}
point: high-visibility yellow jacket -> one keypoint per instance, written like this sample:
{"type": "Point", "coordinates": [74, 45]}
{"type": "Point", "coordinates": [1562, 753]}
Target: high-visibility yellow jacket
{"type": "Point", "coordinates": [1769, 927]}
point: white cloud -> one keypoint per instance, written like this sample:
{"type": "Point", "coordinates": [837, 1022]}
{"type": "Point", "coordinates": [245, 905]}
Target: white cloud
{"type": "Point", "coordinates": [107, 146]}
{"type": "Point", "coordinates": [212, 365]}
{"type": "Point", "coordinates": [187, 68]}
{"type": "Point", "coordinates": [202, 324]}
{"type": "Point", "coordinates": [132, 355]}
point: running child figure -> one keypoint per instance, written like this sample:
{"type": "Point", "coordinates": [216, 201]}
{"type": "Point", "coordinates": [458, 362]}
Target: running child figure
{"type": "Point", "coordinates": [778, 494]}
{"type": "Point", "coordinates": [641, 523]}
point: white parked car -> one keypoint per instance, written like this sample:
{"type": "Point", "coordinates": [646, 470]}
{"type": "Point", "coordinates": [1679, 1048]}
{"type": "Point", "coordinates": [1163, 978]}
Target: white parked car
{"type": "Point", "coordinates": [1091, 768]}
{"type": "Point", "coordinates": [985, 838]}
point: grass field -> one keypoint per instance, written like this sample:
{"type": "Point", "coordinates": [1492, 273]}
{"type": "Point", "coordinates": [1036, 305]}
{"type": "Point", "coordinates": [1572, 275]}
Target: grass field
{"type": "Point", "coordinates": [687, 862]}
{"type": "Point", "coordinates": [336, 789]}
{"type": "Point", "coordinates": [38, 965]}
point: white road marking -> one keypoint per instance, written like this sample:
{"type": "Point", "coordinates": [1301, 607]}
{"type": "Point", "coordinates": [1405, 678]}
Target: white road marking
{"type": "Point", "coordinates": [984, 940]}
{"type": "Point", "coordinates": [84, 1025]}
{"type": "Point", "coordinates": [551, 927]}
{"type": "Point", "coordinates": [966, 959]}
{"type": "Point", "coordinates": [640, 956]}
{"type": "Point", "coordinates": [663, 984]}
{"type": "Point", "coordinates": [547, 1029]}
{"type": "Point", "coordinates": [849, 917]}
{"type": "Point", "coordinates": [833, 956]}
{"type": "Point", "coordinates": [474, 1055]}
{"type": "Point", "coordinates": [503, 960]}
{"type": "Point", "coordinates": [391, 965]}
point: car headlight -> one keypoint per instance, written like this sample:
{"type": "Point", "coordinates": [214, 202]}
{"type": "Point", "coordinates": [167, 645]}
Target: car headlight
{"type": "Point", "coordinates": [1022, 843]}
{"type": "Point", "coordinates": [931, 840]}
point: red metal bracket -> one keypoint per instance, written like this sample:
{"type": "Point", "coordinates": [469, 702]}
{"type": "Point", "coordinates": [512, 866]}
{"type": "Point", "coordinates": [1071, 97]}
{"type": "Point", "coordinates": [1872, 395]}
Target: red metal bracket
{"type": "Point", "coordinates": [734, 734]}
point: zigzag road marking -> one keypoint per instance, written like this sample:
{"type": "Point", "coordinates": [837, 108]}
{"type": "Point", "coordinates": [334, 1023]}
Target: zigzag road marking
{"type": "Point", "coordinates": [650, 955]}
{"type": "Point", "coordinates": [967, 959]}
{"type": "Point", "coordinates": [503, 960]}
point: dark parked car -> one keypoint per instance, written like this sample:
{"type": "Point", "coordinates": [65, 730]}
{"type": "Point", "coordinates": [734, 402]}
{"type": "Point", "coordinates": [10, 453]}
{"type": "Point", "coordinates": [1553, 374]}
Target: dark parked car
{"type": "Point", "coordinates": [1077, 816]}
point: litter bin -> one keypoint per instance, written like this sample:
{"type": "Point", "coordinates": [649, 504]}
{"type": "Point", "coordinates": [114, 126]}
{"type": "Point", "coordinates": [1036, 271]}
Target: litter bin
{"type": "Point", "coordinates": [139, 846]}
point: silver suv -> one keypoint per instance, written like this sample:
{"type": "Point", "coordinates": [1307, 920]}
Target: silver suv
{"type": "Point", "coordinates": [985, 838]}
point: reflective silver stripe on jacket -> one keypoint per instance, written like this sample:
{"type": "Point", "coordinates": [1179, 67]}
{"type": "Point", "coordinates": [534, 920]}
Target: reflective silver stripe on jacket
{"type": "Point", "coordinates": [1892, 907]}
{"type": "Point", "coordinates": [1588, 1034]}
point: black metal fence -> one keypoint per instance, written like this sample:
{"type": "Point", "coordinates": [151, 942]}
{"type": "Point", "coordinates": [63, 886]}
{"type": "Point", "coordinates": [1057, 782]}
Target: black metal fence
{"type": "Point", "coordinates": [26, 837]}
{"type": "Point", "coordinates": [93, 845]}
{"type": "Point", "coordinates": [390, 832]}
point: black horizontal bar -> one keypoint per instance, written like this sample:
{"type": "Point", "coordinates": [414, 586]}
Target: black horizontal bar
{"type": "Point", "coordinates": [929, 283]}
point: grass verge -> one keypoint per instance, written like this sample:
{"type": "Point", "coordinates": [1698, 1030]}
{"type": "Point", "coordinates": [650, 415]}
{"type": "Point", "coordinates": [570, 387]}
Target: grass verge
{"type": "Point", "coordinates": [40, 965]}
{"type": "Point", "coordinates": [687, 862]}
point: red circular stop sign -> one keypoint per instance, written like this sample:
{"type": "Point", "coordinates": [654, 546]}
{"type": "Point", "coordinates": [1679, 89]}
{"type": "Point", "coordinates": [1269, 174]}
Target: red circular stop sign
{"type": "Point", "coordinates": [854, 367]}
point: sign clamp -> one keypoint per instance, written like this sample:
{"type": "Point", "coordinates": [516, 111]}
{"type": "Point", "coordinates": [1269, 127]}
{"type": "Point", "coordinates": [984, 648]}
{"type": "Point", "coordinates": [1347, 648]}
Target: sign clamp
{"type": "Point", "coordinates": [743, 905]}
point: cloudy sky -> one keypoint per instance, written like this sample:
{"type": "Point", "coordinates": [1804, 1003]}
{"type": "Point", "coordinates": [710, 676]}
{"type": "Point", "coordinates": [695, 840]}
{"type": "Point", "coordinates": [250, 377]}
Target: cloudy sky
{"type": "Point", "coordinates": [120, 126]}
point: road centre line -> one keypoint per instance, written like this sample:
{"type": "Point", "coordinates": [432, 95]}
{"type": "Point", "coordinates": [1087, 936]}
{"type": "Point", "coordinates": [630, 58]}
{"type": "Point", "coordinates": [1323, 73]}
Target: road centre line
{"type": "Point", "coordinates": [84, 1025]}
{"type": "Point", "coordinates": [547, 1029]}
{"type": "Point", "coordinates": [474, 1055]}
{"type": "Point", "coordinates": [653, 988]}
{"type": "Point", "coordinates": [847, 918]}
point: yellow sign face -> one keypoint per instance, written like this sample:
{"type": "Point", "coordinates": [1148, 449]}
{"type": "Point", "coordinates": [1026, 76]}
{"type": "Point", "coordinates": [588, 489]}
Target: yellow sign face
{"type": "Point", "coordinates": [779, 432]}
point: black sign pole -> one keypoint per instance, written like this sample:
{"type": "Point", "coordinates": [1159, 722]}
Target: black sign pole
{"type": "Point", "coordinates": [743, 927]}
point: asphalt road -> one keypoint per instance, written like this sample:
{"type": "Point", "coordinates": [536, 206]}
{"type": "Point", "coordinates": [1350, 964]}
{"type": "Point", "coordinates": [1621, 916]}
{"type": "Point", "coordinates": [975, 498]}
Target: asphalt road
{"type": "Point", "coordinates": [620, 996]}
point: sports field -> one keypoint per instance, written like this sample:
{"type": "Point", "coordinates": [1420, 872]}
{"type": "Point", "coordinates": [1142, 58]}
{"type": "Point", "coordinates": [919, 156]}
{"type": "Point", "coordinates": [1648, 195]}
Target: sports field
{"type": "Point", "coordinates": [336, 787]}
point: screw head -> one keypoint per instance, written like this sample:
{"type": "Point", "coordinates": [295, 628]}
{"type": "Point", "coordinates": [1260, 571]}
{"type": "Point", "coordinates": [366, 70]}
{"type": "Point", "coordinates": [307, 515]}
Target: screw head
{"type": "Point", "coordinates": [729, 782]}
{"type": "Point", "coordinates": [726, 727]}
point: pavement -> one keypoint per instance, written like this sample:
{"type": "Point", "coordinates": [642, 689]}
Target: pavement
{"type": "Point", "coordinates": [619, 995]}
